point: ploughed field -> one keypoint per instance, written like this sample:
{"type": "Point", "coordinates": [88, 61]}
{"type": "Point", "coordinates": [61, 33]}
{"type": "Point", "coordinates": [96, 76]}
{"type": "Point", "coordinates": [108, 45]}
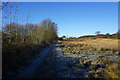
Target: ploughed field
{"type": "Point", "coordinates": [92, 58]}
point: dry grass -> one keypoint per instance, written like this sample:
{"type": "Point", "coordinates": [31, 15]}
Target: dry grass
{"type": "Point", "coordinates": [110, 68]}
{"type": "Point", "coordinates": [98, 43]}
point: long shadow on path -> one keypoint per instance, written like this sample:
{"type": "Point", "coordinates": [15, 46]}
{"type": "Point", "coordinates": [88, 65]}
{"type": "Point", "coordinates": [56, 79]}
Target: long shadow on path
{"type": "Point", "coordinates": [54, 66]}
{"type": "Point", "coordinates": [47, 68]}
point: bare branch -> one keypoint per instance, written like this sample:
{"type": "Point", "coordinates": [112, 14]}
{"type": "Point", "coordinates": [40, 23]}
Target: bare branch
{"type": "Point", "coordinates": [3, 6]}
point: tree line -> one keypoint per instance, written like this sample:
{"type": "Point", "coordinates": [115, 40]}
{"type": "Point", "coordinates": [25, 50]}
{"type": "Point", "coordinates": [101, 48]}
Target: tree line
{"type": "Point", "coordinates": [20, 43]}
{"type": "Point", "coordinates": [22, 40]}
{"type": "Point", "coordinates": [45, 32]}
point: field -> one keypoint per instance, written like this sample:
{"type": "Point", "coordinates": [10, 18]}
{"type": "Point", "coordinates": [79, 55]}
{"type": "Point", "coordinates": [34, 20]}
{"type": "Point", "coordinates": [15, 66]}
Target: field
{"type": "Point", "coordinates": [59, 40]}
{"type": "Point", "coordinates": [99, 56]}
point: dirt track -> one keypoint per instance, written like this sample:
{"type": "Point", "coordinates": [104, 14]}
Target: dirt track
{"type": "Point", "coordinates": [54, 66]}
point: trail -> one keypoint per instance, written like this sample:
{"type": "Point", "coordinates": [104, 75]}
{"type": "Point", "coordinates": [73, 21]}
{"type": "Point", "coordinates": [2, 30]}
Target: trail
{"type": "Point", "coordinates": [27, 72]}
{"type": "Point", "coordinates": [51, 63]}
{"type": "Point", "coordinates": [54, 66]}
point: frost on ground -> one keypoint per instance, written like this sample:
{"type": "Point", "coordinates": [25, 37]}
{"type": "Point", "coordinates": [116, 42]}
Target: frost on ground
{"type": "Point", "coordinates": [28, 71]}
{"type": "Point", "coordinates": [54, 62]}
{"type": "Point", "coordinates": [89, 62]}
{"type": "Point", "coordinates": [65, 70]}
{"type": "Point", "coordinates": [54, 66]}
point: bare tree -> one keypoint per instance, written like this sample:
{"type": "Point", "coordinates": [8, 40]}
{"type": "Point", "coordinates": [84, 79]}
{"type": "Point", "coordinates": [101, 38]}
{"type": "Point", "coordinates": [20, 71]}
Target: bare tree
{"type": "Point", "coordinates": [3, 5]}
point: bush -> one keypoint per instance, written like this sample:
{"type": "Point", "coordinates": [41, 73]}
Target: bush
{"type": "Point", "coordinates": [60, 38]}
{"type": "Point", "coordinates": [21, 42]}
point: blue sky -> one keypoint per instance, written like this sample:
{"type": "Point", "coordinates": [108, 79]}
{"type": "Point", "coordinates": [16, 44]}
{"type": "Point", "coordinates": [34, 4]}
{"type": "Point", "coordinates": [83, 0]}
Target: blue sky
{"type": "Point", "coordinates": [74, 19]}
